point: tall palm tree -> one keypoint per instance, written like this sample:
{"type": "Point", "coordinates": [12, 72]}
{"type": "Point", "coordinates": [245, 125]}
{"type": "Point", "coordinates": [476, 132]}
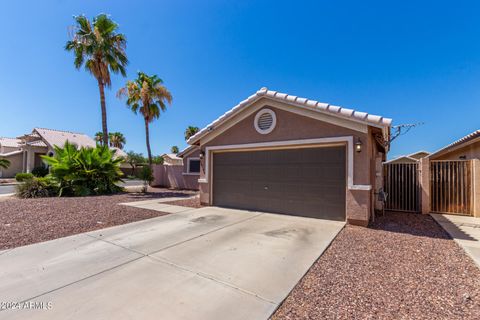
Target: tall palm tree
{"type": "Point", "coordinates": [149, 96]}
{"type": "Point", "coordinates": [98, 47]}
{"type": "Point", "coordinates": [190, 131]}
{"type": "Point", "coordinates": [4, 163]}
{"type": "Point", "coordinates": [117, 140]}
{"type": "Point", "coordinates": [174, 149]}
{"type": "Point", "coordinates": [99, 137]}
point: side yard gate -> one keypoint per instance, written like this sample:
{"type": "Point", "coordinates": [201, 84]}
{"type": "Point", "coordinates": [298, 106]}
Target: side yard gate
{"type": "Point", "coordinates": [451, 183]}
{"type": "Point", "coordinates": [401, 184]}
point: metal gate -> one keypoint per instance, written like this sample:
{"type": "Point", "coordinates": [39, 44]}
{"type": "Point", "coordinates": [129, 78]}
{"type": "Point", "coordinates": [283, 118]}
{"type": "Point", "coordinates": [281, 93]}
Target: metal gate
{"type": "Point", "coordinates": [451, 186]}
{"type": "Point", "coordinates": [402, 187]}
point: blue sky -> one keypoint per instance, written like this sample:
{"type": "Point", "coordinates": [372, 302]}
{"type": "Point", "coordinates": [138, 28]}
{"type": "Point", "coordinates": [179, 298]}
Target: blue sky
{"type": "Point", "coordinates": [414, 61]}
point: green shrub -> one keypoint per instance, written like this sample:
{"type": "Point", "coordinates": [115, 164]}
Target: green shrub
{"type": "Point", "coordinates": [40, 171]}
{"type": "Point", "coordinates": [147, 176]}
{"type": "Point", "coordinates": [37, 188]}
{"type": "Point", "coordinates": [21, 177]}
{"type": "Point", "coordinates": [85, 171]}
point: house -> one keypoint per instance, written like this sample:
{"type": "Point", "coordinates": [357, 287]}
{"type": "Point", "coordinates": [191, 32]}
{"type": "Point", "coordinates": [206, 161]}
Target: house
{"type": "Point", "coordinates": [465, 148]}
{"type": "Point", "coordinates": [24, 152]}
{"type": "Point", "coordinates": [284, 154]}
{"type": "Point", "coordinates": [11, 149]}
{"type": "Point", "coordinates": [410, 158]}
{"type": "Point", "coordinates": [182, 174]}
{"type": "Point", "coordinates": [171, 159]}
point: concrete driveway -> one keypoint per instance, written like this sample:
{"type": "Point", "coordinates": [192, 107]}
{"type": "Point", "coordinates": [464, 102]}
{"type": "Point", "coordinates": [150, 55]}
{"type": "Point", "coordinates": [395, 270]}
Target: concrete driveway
{"type": "Point", "coordinates": [208, 263]}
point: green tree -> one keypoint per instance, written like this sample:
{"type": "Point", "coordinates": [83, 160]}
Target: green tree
{"type": "Point", "coordinates": [148, 96]}
{"type": "Point", "coordinates": [134, 160]}
{"type": "Point", "coordinates": [98, 47]}
{"type": "Point", "coordinates": [99, 137]}
{"type": "Point", "coordinates": [158, 160]}
{"type": "Point", "coordinates": [190, 131]}
{"type": "Point", "coordinates": [117, 140]}
{"type": "Point", "coordinates": [174, 149]}
{"type": "Point", "coordinates": [4, 163]}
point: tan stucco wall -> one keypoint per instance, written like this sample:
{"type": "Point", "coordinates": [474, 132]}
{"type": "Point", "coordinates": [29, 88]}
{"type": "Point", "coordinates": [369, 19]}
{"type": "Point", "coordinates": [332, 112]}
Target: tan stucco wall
{"type": "Point", "coordinates": [169, 176]}
{"type": "Point", "coordinates": [292, 126]}
{"type": "Point", "coordinates": [4, 149]}
{"type": "Point", "coordinates": [16, 166]}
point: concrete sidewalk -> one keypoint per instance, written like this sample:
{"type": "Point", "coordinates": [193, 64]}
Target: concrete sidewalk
{"type": "Point", "coordinates": [207, 263]}
{"type": "Point", "coordinates": [464, 230]}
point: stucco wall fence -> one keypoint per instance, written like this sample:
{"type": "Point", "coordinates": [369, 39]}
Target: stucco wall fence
{"type": "Point", "coordinates": [173, 177]}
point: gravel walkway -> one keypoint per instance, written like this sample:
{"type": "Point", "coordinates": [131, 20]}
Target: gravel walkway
{"type": "Point", "coordinates": [26, 221]}
{"type": "Point", "coordinates": [403, 267]}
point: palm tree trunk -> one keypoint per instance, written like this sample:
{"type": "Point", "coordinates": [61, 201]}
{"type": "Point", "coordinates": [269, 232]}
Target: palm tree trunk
{"type": "Point", "coordinates": [147, 137]}
{"type": "Point", "coordinates": [101, 87]}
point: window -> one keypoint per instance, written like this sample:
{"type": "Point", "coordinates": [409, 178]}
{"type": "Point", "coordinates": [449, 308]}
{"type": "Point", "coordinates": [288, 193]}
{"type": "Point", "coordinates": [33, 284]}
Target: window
{"type": "Point", "coordinates": [193, 165]}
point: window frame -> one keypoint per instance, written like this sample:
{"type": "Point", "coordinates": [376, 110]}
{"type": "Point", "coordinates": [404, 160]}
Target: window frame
{"type": "Point", "coordinates": [188, 165]}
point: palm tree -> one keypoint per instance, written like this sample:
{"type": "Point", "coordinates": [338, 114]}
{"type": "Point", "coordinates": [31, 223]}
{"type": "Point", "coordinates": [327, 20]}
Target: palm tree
{"type": "Point", "coordinates": [4, 163]}
{"type": "Point", "coordinates": [99, 137]}
{"type": "Point", "coordinates": [98, 47]}
{"type": "Point", "coordinates": [190, 131]}
{"type": "Point", "coordinates": [174, 149]}
{"type": "Point", "coordinates": [117, 140]}
{"type": "Point", "coordinates": [146, 95]}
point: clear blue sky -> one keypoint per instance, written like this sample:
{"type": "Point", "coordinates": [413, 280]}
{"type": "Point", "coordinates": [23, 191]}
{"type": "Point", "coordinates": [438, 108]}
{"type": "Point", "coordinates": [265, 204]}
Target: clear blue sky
{"type": "Point", "coordinates": [409, 60]}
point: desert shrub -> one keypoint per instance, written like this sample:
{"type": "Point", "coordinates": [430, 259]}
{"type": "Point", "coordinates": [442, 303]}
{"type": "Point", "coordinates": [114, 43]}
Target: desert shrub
{"type": "Point", "coordinates": [85, 171]}
{"type": "Point", "coordinates": [21, 177]}
{"type": "Point", "coordinates": [147, 176]}
{"type": "Point", "coordinates": [40, 171]}
{"type": "Point", "coordinates": [37, 188]}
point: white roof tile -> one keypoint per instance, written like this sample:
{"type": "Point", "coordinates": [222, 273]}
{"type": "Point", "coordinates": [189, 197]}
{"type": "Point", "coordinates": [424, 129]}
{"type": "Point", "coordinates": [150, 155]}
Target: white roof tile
{"type": "Point", "coordinates": [294, 100]}
{"type": "Point", "coordinates": [10, 142]}
{"type": "Point", "coordinates": [58, 137]}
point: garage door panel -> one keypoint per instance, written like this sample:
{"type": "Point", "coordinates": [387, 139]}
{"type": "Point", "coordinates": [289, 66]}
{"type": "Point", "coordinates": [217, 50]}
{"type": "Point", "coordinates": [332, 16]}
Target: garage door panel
{"type": "Point", "coordinates": [307, 182]}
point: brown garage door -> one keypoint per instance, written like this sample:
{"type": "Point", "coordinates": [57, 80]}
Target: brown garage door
{"type": "Point", "coordinates": [306, 182]}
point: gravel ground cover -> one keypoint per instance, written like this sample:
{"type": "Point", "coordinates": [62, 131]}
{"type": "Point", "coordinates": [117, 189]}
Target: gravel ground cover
{"type": "Point", "coordinates": [404, 266]}
{"type": "Point", "coordinates": [26, 221]}
{"type": "Point", "coordinates": [192, 202]}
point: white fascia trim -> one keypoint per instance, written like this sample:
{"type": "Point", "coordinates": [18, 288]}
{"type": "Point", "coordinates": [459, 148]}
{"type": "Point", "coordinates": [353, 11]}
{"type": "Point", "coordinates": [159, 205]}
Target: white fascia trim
{"type": "Point", "coordinates": [346, 139]}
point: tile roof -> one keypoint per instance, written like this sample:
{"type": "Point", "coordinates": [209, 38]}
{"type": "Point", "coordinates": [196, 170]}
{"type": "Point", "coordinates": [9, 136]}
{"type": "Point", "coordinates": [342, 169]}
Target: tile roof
{"type": "Point", "coordinates": [459, 142]}
{"type": "Point", "coordinates": [358, 116]}
{"type": "Point", "coordinates": [58, 137]}
{"type": "Point", "coordinates": [186, 150]}
{"type": "Point", "coordinates": [172, 156]}
{"type": "Point", "coordinates": [37, 143]}
{"type": "Point", "coordinates": [10, 142]}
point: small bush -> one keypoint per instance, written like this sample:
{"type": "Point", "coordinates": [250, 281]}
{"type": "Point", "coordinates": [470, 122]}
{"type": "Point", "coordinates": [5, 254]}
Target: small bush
{"type": "Point", "coordinates": [21, 177]}
{"type": "Point", "coordinates": [37, 188]}
{"type": "Point", "coordinates": [147, 176]}
{"type": "Point", "coordinates": [40, 171]}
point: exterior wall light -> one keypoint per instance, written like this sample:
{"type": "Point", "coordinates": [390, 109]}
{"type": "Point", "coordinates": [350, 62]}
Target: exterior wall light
{"type": "Point", "coordinates": [358, 146]}
{"type": "Point", "coordinates": [202, 154]}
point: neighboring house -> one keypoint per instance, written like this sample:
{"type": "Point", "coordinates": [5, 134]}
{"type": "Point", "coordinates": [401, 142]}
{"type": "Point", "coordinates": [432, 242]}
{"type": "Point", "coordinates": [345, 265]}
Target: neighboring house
{"type": "Point", "coordinates": [410, 158]}
{"type": "Point", "coordinates": [280, 153]}
{"type": "Point", "coordinates": [31, 146]}
{"type": "Point", "coordinates": [171, 159]}
{"type": "Point", "coordinates": [465, 148]}
{"type": "Point", "coordinates": [183, 175]}
{"type": "Point", "coordinates": [11, 150]}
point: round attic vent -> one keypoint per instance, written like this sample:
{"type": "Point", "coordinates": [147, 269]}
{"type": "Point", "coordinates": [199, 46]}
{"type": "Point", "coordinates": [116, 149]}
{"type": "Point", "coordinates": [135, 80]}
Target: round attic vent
{"type": "Point", "coordinates": [265, 121]}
